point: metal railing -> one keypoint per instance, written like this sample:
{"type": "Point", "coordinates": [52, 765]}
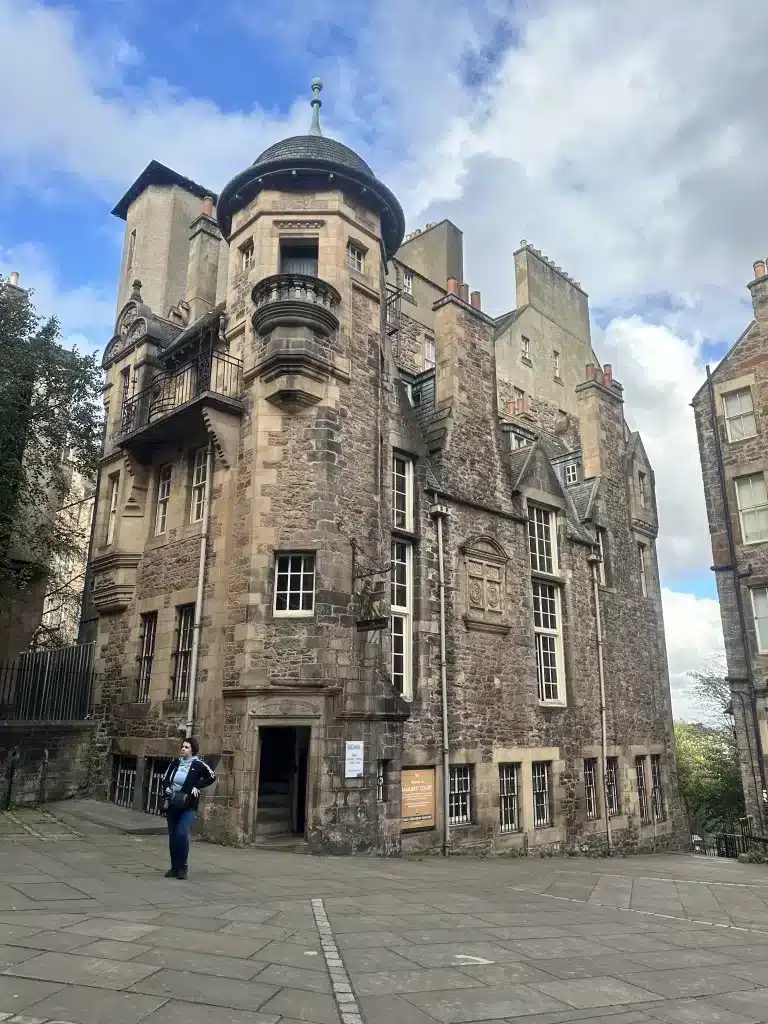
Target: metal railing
{"type": "Point", "coordinates": [214, 372]}
{"type": "Point", "coordinates": [123, 781]}
{"type": "Point", "coordinates": [155, 773]}
{"type": "Point", "coordinates": [52, 686]}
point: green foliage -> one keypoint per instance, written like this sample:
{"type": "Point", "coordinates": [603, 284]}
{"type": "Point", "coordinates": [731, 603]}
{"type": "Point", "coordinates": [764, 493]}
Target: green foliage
{"type": "Point", "coordinates": [48, 410]}
{"type": "Point", "coordinates": [709, 776]}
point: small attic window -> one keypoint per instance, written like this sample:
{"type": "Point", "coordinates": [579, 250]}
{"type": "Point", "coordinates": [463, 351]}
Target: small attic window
{"type": "Point", "coordinates": [518, 441]}
{"type": "Point", "coordinates": [571, 473]}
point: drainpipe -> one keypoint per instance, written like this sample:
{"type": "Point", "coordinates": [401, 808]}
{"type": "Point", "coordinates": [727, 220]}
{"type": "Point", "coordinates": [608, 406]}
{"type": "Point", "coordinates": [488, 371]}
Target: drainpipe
{"type": "Point", "coordinates": [594, 561]}
{"type": "Point", "coordinates": [438, 513]}
{"type": "Point", "coordinates": [200, 583]}
{"type": "Point", "coordinates": [740, 609]}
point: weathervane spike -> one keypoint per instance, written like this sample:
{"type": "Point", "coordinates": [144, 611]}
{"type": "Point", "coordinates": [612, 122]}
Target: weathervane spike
{"type": "Point", "coordinates": [314, 128]}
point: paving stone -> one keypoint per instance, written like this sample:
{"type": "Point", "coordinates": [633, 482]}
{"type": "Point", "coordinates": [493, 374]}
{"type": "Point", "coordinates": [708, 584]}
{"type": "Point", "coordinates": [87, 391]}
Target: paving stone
{"type": "Point", "coordinates": [201, 963]}
{"type": "Point", "coordinates": [484, 1003]}
{"type": "Point", "coordinates": [80, 1005]}
{"type": "Point", "coordinates": [742, 954]}
{"type": "Point", "coordinates": [295, 977]}
{"type": "Point", "coordinates": [394, 1010]}
{"type": "Point", "coordinates": [53, 942]}
{"type": "Point", "coordinates": [208, 942]}
{"type": "Point", "coordinates": [687, 982]}
{"type": "Point", "coordinates": [176, 1012]}
{"type": "Point", "coordinates": [258, 931]}
{"type": "Point", "coordinates": [362, 940]}
{"type": "Point", "coordinates": [41, 920]}
{"type": "Point", "coordinates": [668, 958]}
{"type": "Point", "coordinates": [304, 1006]}
{"type": "Point", "coordinates": [17, 994]}
{"type": "Point", "coordinates": [696, 1011]}
{"type": "Point", "coordinates": [454, 955]}
{"type": "Point", "coordinates": [570, 946]}
{"type": "Point", "coordinates": [587, 966]}
{"type": "Point", "coordinates": [205, 988]}
{"type": "Point", "coordinates": [48, 891]}
{"type": "Point", "coordinates": [256, 915]}
{"type": "Point", "coordinates": [518, 972]}
{"type": "Point", "coordinates": [108, 928]}
{"type": "Point", "coordinates": [10, 955]}
{"type": "Point", "coordinates": [752, 1004]}
{"type": "Point", "coordinates": [427, 980]}
{"type": "Point", "coordinates": [111, 949]}
{"type": "Point", "coordinates": [309, 957]}
{"type": "Point", "coordinates": [86, 970]}
{"type": "Point", "coordinates": [373, 959]}
{"type": "Point", "coordinates": [585, 993]}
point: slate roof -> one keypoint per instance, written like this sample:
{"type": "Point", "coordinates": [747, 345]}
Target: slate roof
{"type": "Point", "coordinates": [552, 445]}
{"type": "Point", "coordinates": [156, 173]}
{"type": "Point", "coordinates": [313, 147]}
{"type": "Point", "coordinates": [583, 495]}
{"type": "Point", "coordinates": [186, 334]}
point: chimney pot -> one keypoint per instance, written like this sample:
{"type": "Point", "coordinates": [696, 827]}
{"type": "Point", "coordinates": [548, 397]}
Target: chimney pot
{"type": "Point", "coordinates": [590, 371]}
{"type": "Point", "coordinates": [607, 374]}
{"type": "Point", "coordinates": [523, 243]}
{"type": "Point", "coordinates": [464, 293]}
{"type": "Point", "coordinates": [453, 286]}
{"type": "Point", "coordinates": [208, 206]}
{"type": "Point", "coordinates": [520, 406]}
{"type": "Point", "coordinates": [759, 267]}
{"type": "Point", "coordinates": [474, 298]}
{"type": "Point", "coordinates": [15, 279]}
{"type": "Point", "coordinates": [511, 408]}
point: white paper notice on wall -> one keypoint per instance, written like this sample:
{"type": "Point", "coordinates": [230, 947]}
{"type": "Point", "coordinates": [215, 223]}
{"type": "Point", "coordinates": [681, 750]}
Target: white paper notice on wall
{"type": "Point", "coordinates": [353, 759]}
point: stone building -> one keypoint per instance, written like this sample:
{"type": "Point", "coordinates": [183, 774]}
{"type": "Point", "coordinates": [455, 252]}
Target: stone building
{"type": "Point", "coordinates": [731, 410]}
{"type": "Point", "coordinates": [380, 550]}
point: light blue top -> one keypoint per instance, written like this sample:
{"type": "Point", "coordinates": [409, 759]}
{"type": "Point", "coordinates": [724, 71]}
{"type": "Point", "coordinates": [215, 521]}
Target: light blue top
{"type": "Point", "coordinates": [185, 763]}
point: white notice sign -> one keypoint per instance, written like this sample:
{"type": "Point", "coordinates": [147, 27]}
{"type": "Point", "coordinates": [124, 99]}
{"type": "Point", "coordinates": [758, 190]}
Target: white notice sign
{"type": "Point", "coordinates": [353, 761]}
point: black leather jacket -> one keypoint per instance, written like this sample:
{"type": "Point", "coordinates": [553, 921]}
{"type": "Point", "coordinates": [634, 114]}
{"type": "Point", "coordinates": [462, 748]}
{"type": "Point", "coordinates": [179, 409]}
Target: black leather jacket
{"type": "Point", "coordinates": [198, 777]}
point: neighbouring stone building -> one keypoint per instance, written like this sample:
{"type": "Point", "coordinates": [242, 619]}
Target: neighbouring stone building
{"type": "Point", "coordinates": [731, 410]}
{"type": "Point", "coordinates": [334, 488]}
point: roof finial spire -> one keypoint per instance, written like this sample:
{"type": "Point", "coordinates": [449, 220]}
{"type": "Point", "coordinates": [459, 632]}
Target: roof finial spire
{"type": "Point", "coordinates": [314, 128]}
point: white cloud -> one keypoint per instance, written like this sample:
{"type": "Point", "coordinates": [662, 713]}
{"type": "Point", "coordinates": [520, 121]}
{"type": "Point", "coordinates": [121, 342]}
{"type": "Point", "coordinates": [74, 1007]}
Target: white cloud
{"type": "Point", "coordinates": [694, 642]}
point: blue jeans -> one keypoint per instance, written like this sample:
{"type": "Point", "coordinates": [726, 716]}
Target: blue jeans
{"type": "Point", "coordinates": [179, 824]}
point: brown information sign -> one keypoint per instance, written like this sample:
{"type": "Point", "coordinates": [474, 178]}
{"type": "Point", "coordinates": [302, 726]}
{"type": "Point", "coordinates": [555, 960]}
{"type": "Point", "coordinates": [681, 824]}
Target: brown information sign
{"type": "Point", "coordinates": [418, 785]}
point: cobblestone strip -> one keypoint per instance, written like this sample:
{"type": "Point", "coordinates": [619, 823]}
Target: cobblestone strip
{"type": "Point", "coordinates": [342, 989]}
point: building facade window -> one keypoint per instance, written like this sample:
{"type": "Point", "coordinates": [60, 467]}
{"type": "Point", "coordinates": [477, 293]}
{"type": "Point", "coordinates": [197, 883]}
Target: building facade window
{"type": "Point", "coordinates": [657, 789]}
{"type": "Point", "coordinates": [556, 363]}
{"type": "Point", "coordinates": [401, 599]}
{"type": "Point", "coordinates": [571, 473]}
{"type": "Point", "coordinates": [164, 475]}
{"type": "Point", "coordinates": [294, 584]}
{"type": "Point", "coordinates": [182, 652]}
{"type": "Point", "coordinates": [430, 357]}
{"type": "Point", "coordinates": [146, 654]}
{"type": "Point", "coordinates": [518, 441]}
{"type": "Point", "coordinates": [752, 501]}
{"type": "Point", "coordinates": [131, 250]}
{"type": "Point", "coordinates": [641, 560]}
{"type": "Point", "coordinates": [299, 257]}
{"type": "Point", "coordinates": [542, 793]}
{"type": "Point", "coordinates": [642, 790]}
{"type": "Point", "coordinates": [402, 492]}
{"type": "Point", "coordinates": [356, 257]}
{"type": "Point", "coordinates": [246, 255]}
{"type": "Point", "coordinates": [408, 282]}
{"type": "Point", "coordinates": [113, 494]}
{"type": "Point", "coordinates": [592, 801]}
{"type": "Point", "coordinates": [199, 478]}
{"type": "Point", "coordinates": [642, 489]}
{"type": "Point", "coordinates": [739, 415]}
{"type": "Point", "coordinates": [460, 795]}
{"type": "Point", "coordinates": [526, 347]}
{"type": "Point", "coordinates": [548, 642]}
{"type": "Point", "coordinates": [542, 540]}
{"type": "Point", "coordinates": [760, 612]}
{"type": "Point", "coordinates": [509, 797]}
{"type": "Point", "coordinates": [612, 791]}
{"type": "Point", "coordinates": [125, 385]}
{"type": "Point", "coordinates": [602, 550]}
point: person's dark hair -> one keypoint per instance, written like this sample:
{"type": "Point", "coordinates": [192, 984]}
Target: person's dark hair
{"type": "Point", "coordinates": [193, 743]}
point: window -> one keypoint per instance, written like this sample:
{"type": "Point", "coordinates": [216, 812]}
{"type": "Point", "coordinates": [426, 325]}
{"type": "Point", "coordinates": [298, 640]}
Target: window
{"type": "Point", "coordinates": [199, 477]}
{"type": "Point", "coordinates": [356, 257]}
{"type": "Point", "coordinates": [541, 540]}
{"type": "Point", "coordinates": [382, 781]}
{"type": "Point", "coordinates": [429, 354]}
{"type": "Point", "coordinates": [526, 347]}
{"type": "Point", "coordinates": [642, 493]}
{"type": "Point", "coordinates": [641, 561]}
{"type": "Point", "coordinates": [642, 794]}
{"type": "Point", "coordinates": [163, 498]}
{"type": "Point", "coordinates": [131, 249]}
{"type": "Point", "coordinates": [114, 491]}
{"type": "Point", "coordinates": [590, 788]}
{"type": "Point", "coordinates": [125, 384]}
{"type": "Point", "coordinates": [752, 500]}
{"type": "Point", "coordinates": [657, 789]}
{"type": "Point", "coordinates": [402, 553]}
{"type": "Point", "coordinates": [612, 792]}
{"type": "Point", "coordinates": [402, 493]}
{"type": "Point", "coordinates": [295, 585]}
{"type": "Point", "coordinates": [146, 654]}
{"type": "Point", "coordinates": [542, 794]}
{"type": "Point", "coordinates": [408, 282]}
{"type": "Point", "coordinates": [509, 797]}
{"type": "Point", "coordinates": [556, 363]}
{"type": "Point", "coordinates": [246, 255]}
{"type": "Point", "coordinates": [518, 441]}
{"type": "Point", "coordinates": [571, 473]}
{"type": "Point", "coordinates": [460, 795]}
{"type": "Point", "coordinates": [760, 612]}
{"type": "Point", "coordinates": [299, 258]}
{"type": "Point", "coordinates": [739, 415]}
{"type": "Point", "coordinates": [546, 615]}
{"type": "Point", "coordinates": [602, 550]}
{"type": "Point", "coordinates": [182, 651]}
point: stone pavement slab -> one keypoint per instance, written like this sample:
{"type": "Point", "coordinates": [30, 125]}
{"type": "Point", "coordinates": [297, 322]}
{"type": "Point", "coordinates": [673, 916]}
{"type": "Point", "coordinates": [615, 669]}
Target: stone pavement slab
{"type": "Point", "coordinates": [175, 1012]}
{"type": "Point", "coordinates": [205, 988]}
{"type": "Point", "coordinates": [69, 968]}
{"type": "Point", "coordinates": [76, 1004]}
{"type": "Point", "coordinates": [485, 1003]}
{"type": "Point", "coordinates": [686, 982]}
{"type": "Point", "coordinates": [17, 994]}
{"type": "Point", "coordinates": [586, 993]}
{"type": "Point", "coordinates": [197, 962]}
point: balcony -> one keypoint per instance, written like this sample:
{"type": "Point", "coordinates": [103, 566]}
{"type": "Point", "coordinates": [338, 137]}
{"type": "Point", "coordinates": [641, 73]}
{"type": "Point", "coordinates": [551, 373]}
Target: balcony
{"type": "Point", "coordinates": [295, 300]}
{"type": "Point", "coordinates": [171, 408]}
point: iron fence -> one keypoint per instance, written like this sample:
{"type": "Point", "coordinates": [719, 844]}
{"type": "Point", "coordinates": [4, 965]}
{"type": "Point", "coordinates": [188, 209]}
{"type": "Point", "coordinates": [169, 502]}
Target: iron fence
{"type": "Point", "coordinates": [155, 773]}
{"type": "Point", "coordinates": [123, 781]}
{"type": "Point", "coordinates": [53, 686]}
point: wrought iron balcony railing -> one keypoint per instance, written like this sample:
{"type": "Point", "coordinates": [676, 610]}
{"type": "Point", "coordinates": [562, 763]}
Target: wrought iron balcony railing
{"type": "Point", "coordinates": [211, 372]}
{"type": "Point", "coordinates": [291, 300]}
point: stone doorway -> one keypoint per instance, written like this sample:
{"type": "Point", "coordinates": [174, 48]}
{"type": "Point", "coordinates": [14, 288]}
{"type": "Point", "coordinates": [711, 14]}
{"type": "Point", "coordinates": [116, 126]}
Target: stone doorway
{"type": "Point", "coordinates": [282, 795]}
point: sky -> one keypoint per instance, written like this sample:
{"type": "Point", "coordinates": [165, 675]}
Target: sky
{"type": "Point", "coordinates": [627, 141]}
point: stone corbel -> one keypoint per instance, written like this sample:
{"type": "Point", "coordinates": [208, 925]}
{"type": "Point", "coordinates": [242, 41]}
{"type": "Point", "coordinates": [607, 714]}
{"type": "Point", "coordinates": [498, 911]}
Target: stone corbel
{"type": "Point", "coordinates": [224, 431]}
{"type": "Point", "coordinates": [137, 475]}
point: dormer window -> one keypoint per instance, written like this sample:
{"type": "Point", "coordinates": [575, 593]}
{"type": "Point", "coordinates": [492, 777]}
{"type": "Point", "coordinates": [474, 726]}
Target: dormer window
{"type": "Point", "coordinates": [518, 441]}
{"type": "Point", "coordinates": [298, 257]}
{"type": "Point", "coordinates": [571, 473]}
{"type": "Point", "coordinates": [356, 257]}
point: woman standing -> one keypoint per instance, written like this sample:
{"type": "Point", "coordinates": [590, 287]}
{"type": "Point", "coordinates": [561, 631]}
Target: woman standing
{"type": "Point", "coordinates": [186, 776]}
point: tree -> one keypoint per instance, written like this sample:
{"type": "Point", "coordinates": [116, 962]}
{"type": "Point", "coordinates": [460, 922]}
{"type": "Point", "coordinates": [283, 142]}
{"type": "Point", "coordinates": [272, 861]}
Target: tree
{"type": "Point", "coordinates": [50, 424]}
{"type": "Point", "coordinates": [712, 691]}
{"type": "Point", "coordinates": [709, 776]}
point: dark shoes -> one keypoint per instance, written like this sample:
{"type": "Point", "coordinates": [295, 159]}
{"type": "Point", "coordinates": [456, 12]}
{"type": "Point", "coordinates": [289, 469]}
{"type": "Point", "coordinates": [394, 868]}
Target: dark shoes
{"type": "Point", "coordinates": [171, 873]}
{"type": "Point", "coordinates": [181, 875]}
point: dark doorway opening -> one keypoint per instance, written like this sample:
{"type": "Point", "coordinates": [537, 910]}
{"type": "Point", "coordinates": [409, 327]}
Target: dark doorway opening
{"type": "Point", "coordinates": [283, 765]}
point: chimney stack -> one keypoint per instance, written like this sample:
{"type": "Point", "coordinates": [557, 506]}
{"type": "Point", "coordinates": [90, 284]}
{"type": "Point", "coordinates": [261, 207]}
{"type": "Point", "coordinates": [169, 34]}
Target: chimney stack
{"type": "Point", "coordinates": [475, 300]}
{"type": "Point", "coordinates": [590, 371]}
{"type": "Point", "coordinates": [607, 374]}
{"type": "Point", "coordinates": [759, 268]}
{"type": "Point", "coordinates": [14, 278]}
{"type": "Point", "coordinates": [520, 406]}
{"type": "Point", "coordinates": [464, 293]}
{"type": "Point", "coordinates": [208, 206]}
{"type": "Point", "coordinates": [453, 286]}
{"type": "Point", "coordinates": [759, 289]}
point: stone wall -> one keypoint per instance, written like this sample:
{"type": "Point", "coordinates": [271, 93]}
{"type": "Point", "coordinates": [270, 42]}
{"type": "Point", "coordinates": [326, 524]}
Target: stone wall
{"type": "Point", "coordinates": [51, 761]}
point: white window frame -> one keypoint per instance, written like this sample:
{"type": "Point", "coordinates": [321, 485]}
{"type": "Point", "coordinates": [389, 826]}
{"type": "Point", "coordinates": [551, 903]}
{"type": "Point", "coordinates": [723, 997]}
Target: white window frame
{"type": "Point", "coordinates": [761, 635]}
{"type": "Point", "coordinates": [430, 354]}
{"type": "Point", "coordinates": [182, 651]}
{"type": "Point", "coordinates": [164, 478]}
{"type": "Point", "coordinates": [295, 575]}
{"type": "Point", "coordinates": [113, 496]}
{"type": "Point", "coordinates": [525, 344]}
{"type": "Point", "coordinates": [591, 791]}
{"type": "Point", "coordinates": [246, 255]}
{"type": "Point", "coordinates": [408, 282]}
{"type": "Point", "coordinates": [541, 779]}
{"type": "Point", "coordinates": [356, 257]}
{"type": "Point", "coordinates": [742, 483]}
{"type": "Point", "coordinates": [612, 787]}
{"type": "Point", "coordinates": [542, 539]}
{"type": "Point", "coordinates": [519, 441]}
{"type": "Point", "coordinates": [556, 362]}
{"type": "Point", "coordinates": [641, 558]}
{"type": "Point", "coordinates": [401, 622]}
{"type": "Point", "coordinates": [740, 421]}
{"type": "Point", "coordinates": [548, 641]}
{"type": "Point", "coordinates": [402, 492]}
{"type": "Point", "coordinates": [642, 789]}
{"type": "Point", "coordinates": [147, 642]}
{"type": "Point", "coordinates": [199, 477]}
{"type": "Point", "coordinates": [510, 798]}
{"type": "Point", "coordinates": [460, 794]}
{"type": "Point", "coordinates": [571, 473]}
{"type": "Point", "coordinates": [601, 547]}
